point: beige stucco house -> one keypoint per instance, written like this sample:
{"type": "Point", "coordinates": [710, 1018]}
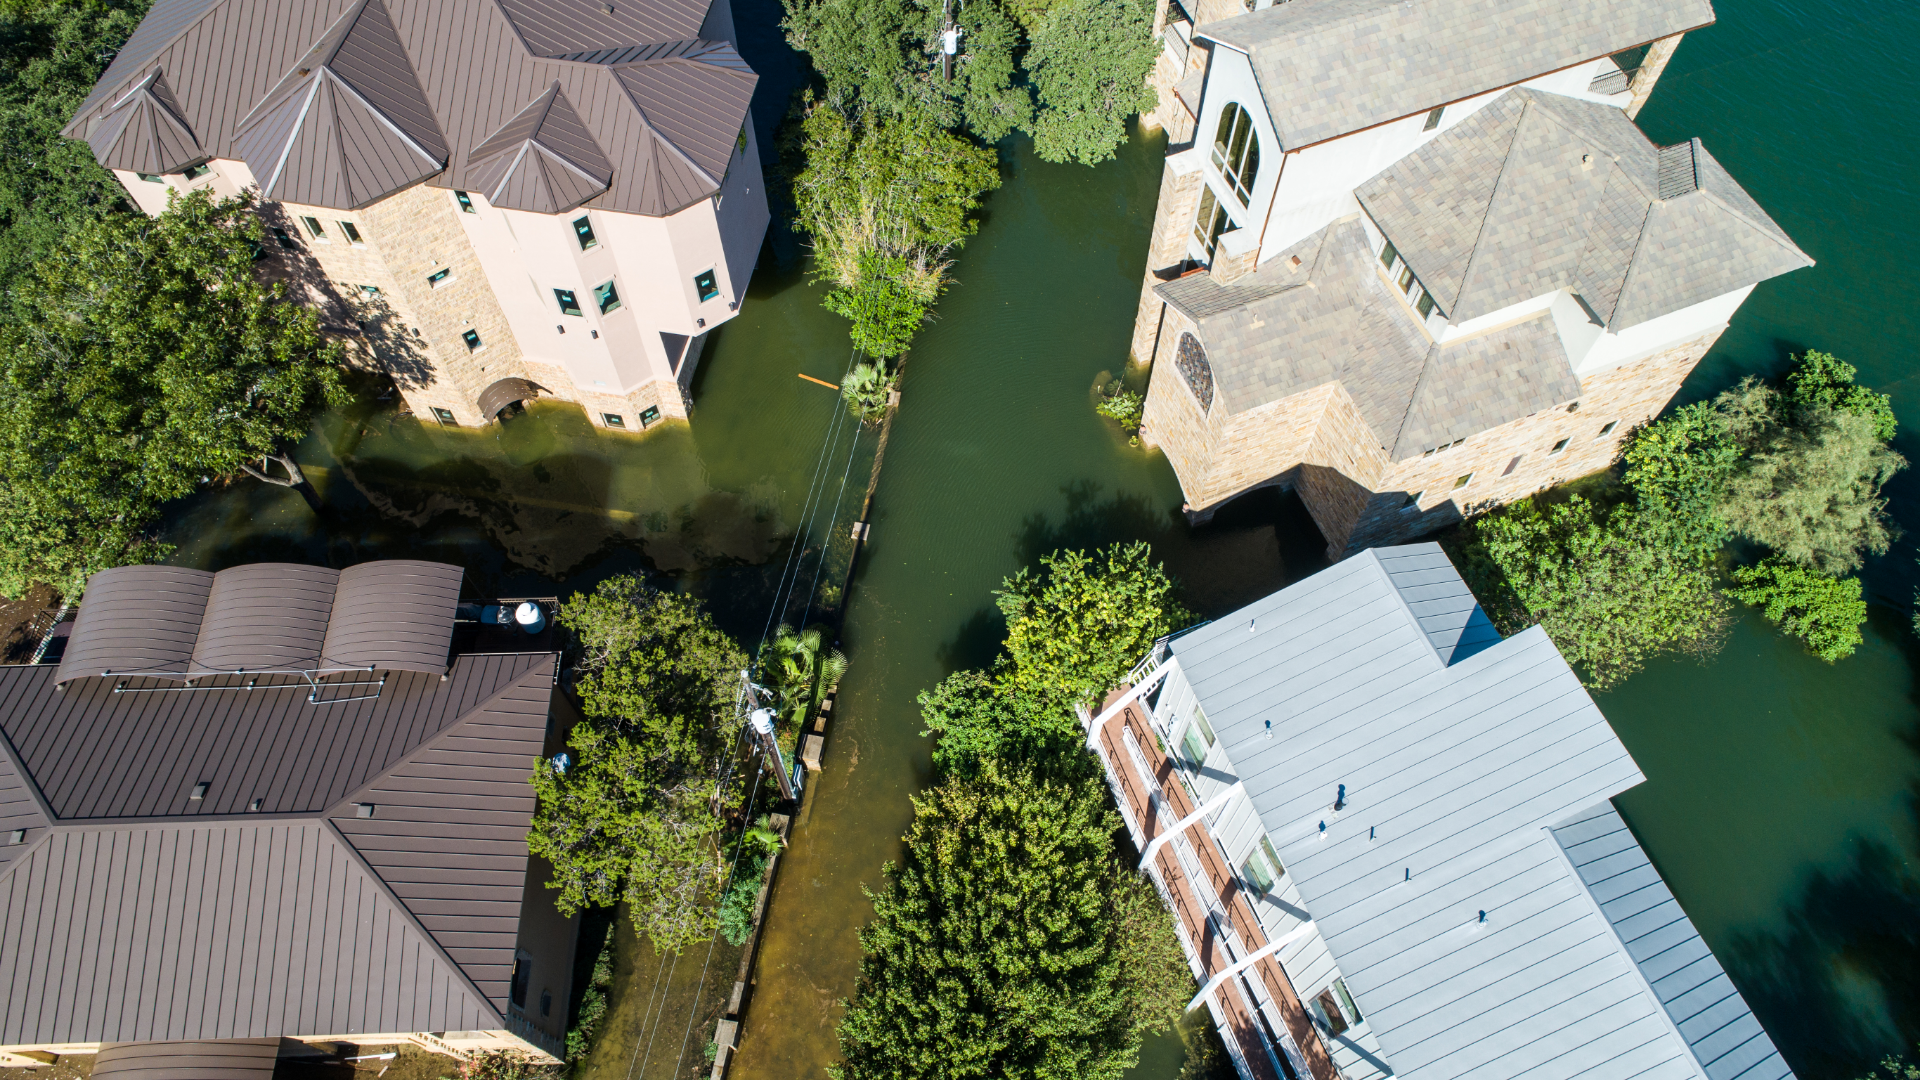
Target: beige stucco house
{"type": "Point", "coordinates": [498, 199]}
{"type": "Point", "coordinates": [1414, 258]}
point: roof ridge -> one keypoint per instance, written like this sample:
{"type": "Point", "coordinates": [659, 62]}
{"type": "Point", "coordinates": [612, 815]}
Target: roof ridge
{"type": "Point", "coordinates": [386, 891]}
{"type": "Point", "coordinates": [1735, 213]}
{"type": "Point", "coordinates": [92, 103]}
{"type": "Point", "coordinates": [438, 737]}
{"type": "Point", "coordinates": [1493, 192]}
{"type": "Point", "coordinates": [659, 137]}
{"type": "Point", "coordinates": [1633, 261]}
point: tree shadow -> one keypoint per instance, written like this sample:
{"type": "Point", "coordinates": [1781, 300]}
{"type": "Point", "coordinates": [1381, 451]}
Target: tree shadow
{"type": "Point", "coordinates": [976, 643]}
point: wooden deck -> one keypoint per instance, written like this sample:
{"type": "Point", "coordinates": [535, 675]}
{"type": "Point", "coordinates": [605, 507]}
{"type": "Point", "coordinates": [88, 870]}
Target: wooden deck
{"type": "Point", "coordinates": [1192, 901]}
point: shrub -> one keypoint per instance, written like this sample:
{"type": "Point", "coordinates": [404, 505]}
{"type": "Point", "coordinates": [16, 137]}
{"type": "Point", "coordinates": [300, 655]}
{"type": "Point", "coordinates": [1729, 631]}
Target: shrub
{"type": "Point", "coordinates": [1824, 612]}
{"type": "Point", "coordinates": [737, 903]}
{"type": "Point", "coordinates": [1123, 405]}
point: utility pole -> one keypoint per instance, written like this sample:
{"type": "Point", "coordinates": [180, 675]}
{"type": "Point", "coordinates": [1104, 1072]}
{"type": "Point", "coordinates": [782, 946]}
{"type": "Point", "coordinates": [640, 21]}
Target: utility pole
{"type": "Point", "coordinates": [949, 41]}
{"type": "Point", "coordinates": [760, 721]}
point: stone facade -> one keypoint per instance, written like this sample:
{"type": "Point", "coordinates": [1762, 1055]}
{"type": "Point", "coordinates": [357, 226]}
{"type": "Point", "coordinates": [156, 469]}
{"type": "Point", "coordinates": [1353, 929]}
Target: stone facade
{"type": "Point", "coordinates": [1316, 444]}
{"type": "Point", "coordinates": [413, 327]}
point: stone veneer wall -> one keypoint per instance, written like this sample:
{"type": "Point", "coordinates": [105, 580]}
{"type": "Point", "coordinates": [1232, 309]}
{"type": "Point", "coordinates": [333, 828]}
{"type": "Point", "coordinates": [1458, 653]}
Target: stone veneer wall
{"type": "Point", "coordinates": [1316, 443]}
{"type": "Point", "coordinates": [1166, 248]}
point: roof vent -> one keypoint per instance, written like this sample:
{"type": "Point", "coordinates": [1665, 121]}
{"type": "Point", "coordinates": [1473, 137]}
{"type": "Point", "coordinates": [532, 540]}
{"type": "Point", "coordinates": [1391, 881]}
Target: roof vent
{"type": "Point", "coordinates": [200, 790]}
{"type": "Point", "coordinates": [17, 836]}
{"type": "Point", "coordinates": [254, 806]}
{"type": "Point", "coordinates": [364, 809]}
{"type": "Point", "coordinates": [1679, 169]}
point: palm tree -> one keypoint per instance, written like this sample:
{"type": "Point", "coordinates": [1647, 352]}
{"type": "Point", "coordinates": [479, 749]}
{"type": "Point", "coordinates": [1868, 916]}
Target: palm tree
{"type": "Point", "coordinates": [866, 388]}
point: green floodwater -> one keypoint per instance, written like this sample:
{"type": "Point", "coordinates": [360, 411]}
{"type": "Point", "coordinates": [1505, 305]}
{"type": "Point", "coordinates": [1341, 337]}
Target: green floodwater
{"type": "Point", "coordinates": [1781, 794]}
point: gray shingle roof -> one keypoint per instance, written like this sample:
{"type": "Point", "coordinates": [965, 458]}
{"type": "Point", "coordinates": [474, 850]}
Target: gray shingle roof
{"type": "Point", "coordinates": [1538, 192]}
{"type": "Point", "coordinates": [1330, 67]}
{"type": "Point", "coordinates": [135, 912]}
{"type": "Point", "coordinates": [1276, 332]}
{"type": "Point", "coordinates": [1457, 751]}
{"type": "Point", "coordinates": [1709, 1012]}
{"type": "Point", "coordinates": [342, 102]}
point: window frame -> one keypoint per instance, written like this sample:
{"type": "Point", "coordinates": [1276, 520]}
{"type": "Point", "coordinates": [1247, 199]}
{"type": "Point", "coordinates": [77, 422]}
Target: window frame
{"type": "Point", "coordinates": [710, 288]}
{"type": "Point", "coordinates": [466, 202]}
{"type": "Point", "coordinates": [1236, 151]}
{"type": "Point", "coordinates": [649, 416]}
{"type": "Point", "coordinates": [613, 420]}
{"type": "Point", "coordinates": [1197, 725]}
{"type": "Point", "coordinates": [1433, 119]}
{"type": "Point", "coordinates": [472, 340]}
{"type": "Point", "coordinates": [606, 297]}
{"type": "Point", "coordinates": [1327, 1007]}
{"type": "Point", "coordinates": [583, 232]}
{"type": "Point", "coordinates": [283, 238]}
{"type": "Point", "coordinates": [1413, 501]}
{"type": "Point", "coordinates": [520, 978]}
{"type": "Point", "coordinates": [445, 417]}
{"type": "Point", "coordinates": [1463, 481]}
{"type": "Point", "coordinates": [1606, 429]}
{"type": "Point", "coordinates": [352, 233]}
{"type": "Point", "coordinates": [569, 303]}
{"type": "Point", "coordinates": [151, 178]}
{"type": "Point", "coordinates": [196, 171]}
{"type": "Point", "coordinates": [1345, 999]}
{"type": "Point", "coordinates": [314, 229]}
{"type": "Point", "coordinates": [1208, 228]}
{"type": "Point", "coordinates": [439, 277]}
{"type": "Point", "coordinates": [1254, 874]}
{"type": "Point", "coordinates": [1560, 447]}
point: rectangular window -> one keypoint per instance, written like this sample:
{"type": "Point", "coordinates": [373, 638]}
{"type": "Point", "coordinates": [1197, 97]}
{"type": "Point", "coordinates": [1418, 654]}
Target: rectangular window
{"type": "Point", "coordinates": [583, 231]}
{"type": "Point", "coordinates": [1254, 873]}
{"type": "Point", "coordinates": [445, 416]}
{"type": "Point", "coordinates": [1388, 253]}
{"type": "Point", "coordinates": [434, 279]}
{"type": "Point", "coordinates": [472, 338]}
{"type": "Point", "coordinates": [1558, 447]}
{"type": "Point", "coordinates": [370, 290]}
{"type": "Point", "coordinates": [150, 178]}
{"type": "Point", "coordinates": [1413, 501]}
{"type": "Point", "coordinates": [1330, 1012]}
{"type": "Point", "coordinates": [195, 172]}
{"type": "Point", "coordinates": [1608, 430]}
{"type": "Point", "coordinates": [606, 297]}
{"type": "Point", "coordinates": [1512, 465]}
{"type": "Point", "coordinates": [282, 237]}
{"type": "Point", "coordinates": [546, 1003]}
{"type": "Point", "coordinates": [706, 285]}
{"type": "Point", "coordinates": [466, 202]}
{"type": "Point", "coordinates": [1425, 306]}
{"type": "Point", "coordinates": [1211, 222]}
{"type": "Point", "coordinates": [313, 228]}
{"type": "Point", "coordinates": [1266, 848]}
{"type": "Point", "coordinates": [1433, 118]}
{"type": "Point", "coordinates": [1463, 482]}
{"type": "Point", "coordinates": [613, 419]}
{"type": "Point", "coordinates": [568, 304]}
{"type": "Point", "coordinates": [1406, 277]}
{"type": "Point", "coordinates": [1346, 1000]}
{"type": "Point", "coordinates": [648, 415]}
{"type": "Point", "coordinates": [522, 974]}
{"type": "Point", "coordinates": [1198, 740]}
{"type": "Point", "coordinates": [352, 234]}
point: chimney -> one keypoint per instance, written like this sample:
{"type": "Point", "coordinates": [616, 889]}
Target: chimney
{"type": "Point", "coordinates": [1234, 257]}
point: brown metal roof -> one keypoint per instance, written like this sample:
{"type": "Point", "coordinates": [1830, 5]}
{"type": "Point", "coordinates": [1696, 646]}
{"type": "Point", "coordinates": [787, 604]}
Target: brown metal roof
{"type": "Point", "coordinates": [394, 615]}
{"type": "Point", "coordinates": [341, 102]}
{"type": "Point", "coordinates": [265, 617]}
{"type": "Point", "coordinates": [143, 132]}
{"type": "Point", "coordinates": [498, 395]}
{"type": "Point", "coordinates": [136, 618]}
{"type": "Point", "coordinates": [222, 1059]}
{"type": "Point", "coordinates": [201, 919]}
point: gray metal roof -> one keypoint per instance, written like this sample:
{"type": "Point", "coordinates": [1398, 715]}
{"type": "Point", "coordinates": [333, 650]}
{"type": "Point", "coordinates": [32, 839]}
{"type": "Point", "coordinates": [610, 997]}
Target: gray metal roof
{"type": "Point", "coordinates": [342, 102]}
{"type": "Point", "coordinates": [1538, 192]}
{"type": "Point", "coordinates": [1330, 67]}
{"type": "Point", "coordinates": [229, 1059]}
{"type": "Point", "coordinates": [1278, 332]}
{"type": "Point", "coordinates": [1709, 1012]}
{"type": "Point", "coordinates": [1456, 753]}
{"type": "Point", "coordinates": [139, 913]}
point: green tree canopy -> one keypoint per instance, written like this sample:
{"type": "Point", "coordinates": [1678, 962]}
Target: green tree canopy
{"type": "Point", "coordinates": [977, 719]}
{"type": "Point", "coordinates": [1810, 489]}
{"type": "Point", "coordinates": [1089, 65]}
{"type": "Point", "coordinates": [1009, 942]}
{"type": "Point", "coordinates": [1079, 624]}
{"type": "Point", "coordinates": [1824, 382]}
{"type": "Point", "coordinates": [142, 360]}
{"type": "Point", "coordinates": [1604, 584]}
{"type": "Point", "coordinates": [1824, 612]}
{"type": "Point", "coordinates": [634, 814]}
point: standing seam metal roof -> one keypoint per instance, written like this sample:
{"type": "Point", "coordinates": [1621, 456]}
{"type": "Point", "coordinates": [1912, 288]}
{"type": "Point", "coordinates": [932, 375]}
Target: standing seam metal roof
{"type": "Point", "coordinates": [340, 103]}
{"type": "Point", "coordinates": [1456, 751]}
{"type": "Point", "coordinates": [231, 1059]}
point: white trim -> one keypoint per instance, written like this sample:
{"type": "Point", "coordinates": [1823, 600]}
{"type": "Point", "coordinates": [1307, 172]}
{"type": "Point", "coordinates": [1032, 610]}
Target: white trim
{"type": "Point", "coordinates": [1219, 800]}
{"type": "Point", "coordinates": [1248, 960]}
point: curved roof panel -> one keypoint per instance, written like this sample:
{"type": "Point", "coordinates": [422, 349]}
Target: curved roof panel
{"type": "Point", "coordinates": [215, 1059]}
{"type": "Point", "coordinates": [395, 615]}
{"type": "Point", "coordinates": [134, 619]}
{"type": "Point", "coordinates": [265, 617]}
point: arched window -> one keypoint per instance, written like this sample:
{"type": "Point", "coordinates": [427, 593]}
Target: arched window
{"type": "Point", "coordinates": [1236, 150]}
{"type": "Point", "coordinates": [1191, 359]}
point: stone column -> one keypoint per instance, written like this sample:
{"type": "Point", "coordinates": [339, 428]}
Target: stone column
{"type": "Point", "coordinates": [1167, 247]}
{"type": "Point", "coordinates": [1644, 79]}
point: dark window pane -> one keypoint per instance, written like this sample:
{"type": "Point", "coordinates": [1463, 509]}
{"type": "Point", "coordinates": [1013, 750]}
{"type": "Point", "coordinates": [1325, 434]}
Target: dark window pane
{"type": "Point", "coordinates": [281, 235]}
{"type": "Point", "coordinates": [706, 285]}
{"type": "Point", "coordinates": [352, 234]}
{"type": "Point", "coordinates": [466, 202]}
{"type": "Point", "coordinates": [649, 414]}
{"type": "Point", "coordinates": [445, 416]}
{"type": "Point", "coordinates": [583, 229]}
{"type": "Point", "coordinates": [1433, 118]}
{"type": "Point", "coordinates": [313, 227]}
{"type": "Point", "coordinates": [613, 419]}
{"type": "Point", "coordinates": [472, 338]}
{"type": "Point", "coordinates": [1387, 255]}
{"type": "Point", "coordinates": [195, 172]}
{"type": "Point", "coordinates": [434, 279]}
{"type": "Point", "coordinates": [1425, 306]}
{"type": "Point", "coordinates": [150, 178]}
{"type": "Point", "coordinates": [568, 304]}
{"type": "Point", "coordinates": [606, 297]}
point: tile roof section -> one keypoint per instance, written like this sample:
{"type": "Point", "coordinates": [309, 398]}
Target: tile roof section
{"type": "Point", "coordinates": [225, 1059]}
{"type": "Point", "coordinates": [397, 91]}
{"type": "Point", "coordinates": [1457, 751]}
{"type": "Point", "coordinates": [1706, 1008]}
{"type": "Point", "coordinates": [1485, 381]}
{"type": "Point", "coordinates": [310, 918]}
{"type": "Point", "coordinates": [1330, 67]}
{"type": "Point", "coordinates": [144, 132]}
{"type": "Point", "coordinates": [1538, 192]}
